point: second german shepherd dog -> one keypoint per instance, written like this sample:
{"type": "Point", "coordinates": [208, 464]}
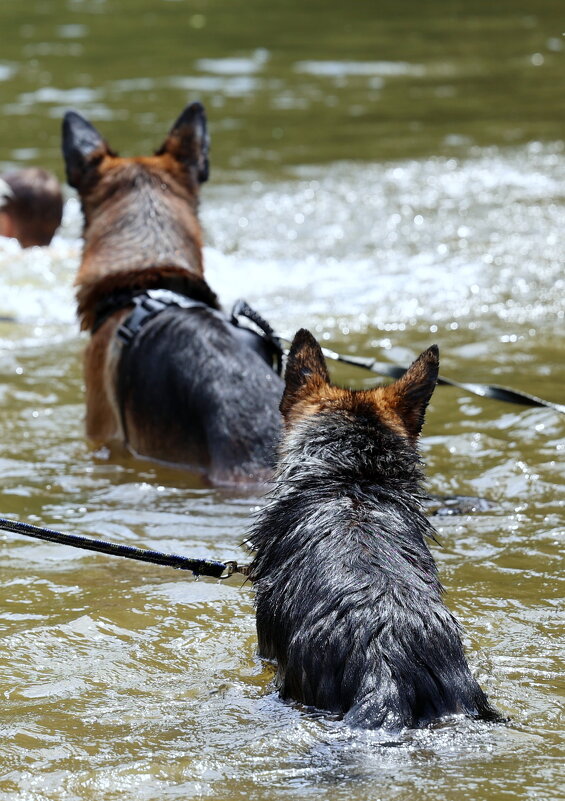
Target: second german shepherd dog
{"type": "Point", "coordinates": [348, 599]}
{"type": "Point", "coordinates": [188, 389]}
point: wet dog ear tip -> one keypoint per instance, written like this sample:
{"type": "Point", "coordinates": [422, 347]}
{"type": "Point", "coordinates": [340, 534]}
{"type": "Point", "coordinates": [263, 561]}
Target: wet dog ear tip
{"type": "Point", "coordinates": [73, 116]}
{"type": "Point", "coordinates": [303, 335]}
{"type": "Point", "coordinates": [431, 354]}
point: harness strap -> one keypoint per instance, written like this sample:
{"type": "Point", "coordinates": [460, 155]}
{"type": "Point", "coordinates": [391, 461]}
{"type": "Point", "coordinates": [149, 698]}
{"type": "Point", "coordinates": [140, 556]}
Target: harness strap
{"type": "Point", "coordinates": [120, 298]}
{"type": "Point", "coordinates": [242, 309]}
{"type": "Point", "coordinates": [149, 304]}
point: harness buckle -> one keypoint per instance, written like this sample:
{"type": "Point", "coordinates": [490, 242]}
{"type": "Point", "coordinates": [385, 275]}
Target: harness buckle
{"type": "Point", "coordinates": [124, 333]}
{"type": "Point", "coordinates": [144, 307]}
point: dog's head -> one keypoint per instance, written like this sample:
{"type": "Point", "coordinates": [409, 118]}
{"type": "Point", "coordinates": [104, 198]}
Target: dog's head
{"type": "Point", "coordinates": [94, 169]}
{"type": "Point", "coordinates": [400, 406]}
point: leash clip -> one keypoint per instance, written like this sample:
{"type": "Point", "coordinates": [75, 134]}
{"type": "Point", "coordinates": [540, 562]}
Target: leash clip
{"type": "Point", "coordinates": [232, 567]}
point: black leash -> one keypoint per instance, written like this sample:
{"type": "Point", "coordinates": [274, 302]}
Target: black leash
{"type": "Point", "coordinates": [200, 567]}
{"type": "Point", "coordinates": [482, 390]}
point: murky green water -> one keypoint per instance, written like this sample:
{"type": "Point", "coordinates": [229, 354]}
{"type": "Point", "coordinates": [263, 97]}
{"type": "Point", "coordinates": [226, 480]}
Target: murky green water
{"type": "Point", "coordinates": [389, 177]}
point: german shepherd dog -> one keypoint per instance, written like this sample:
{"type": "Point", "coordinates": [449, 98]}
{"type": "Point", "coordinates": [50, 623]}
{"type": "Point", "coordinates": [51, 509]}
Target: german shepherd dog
{"type": "Point", "coordinates": [348, 599]}
{"type": "Point", "coordinates": [188, 389]}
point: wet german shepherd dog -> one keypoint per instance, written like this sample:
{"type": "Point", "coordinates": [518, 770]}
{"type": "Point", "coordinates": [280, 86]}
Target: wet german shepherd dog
{"type": "Point", "coordinates": [348, 599]}
{"type": "Point", "coordinates": [166, 371]}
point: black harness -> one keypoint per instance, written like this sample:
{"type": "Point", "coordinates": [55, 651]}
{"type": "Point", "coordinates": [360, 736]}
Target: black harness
{"type": "Point", "coordinates": [147, 304]}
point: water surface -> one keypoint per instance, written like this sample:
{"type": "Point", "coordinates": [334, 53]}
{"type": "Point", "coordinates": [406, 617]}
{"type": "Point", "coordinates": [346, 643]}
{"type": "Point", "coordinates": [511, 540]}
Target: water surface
{"type": "Point", "coordinates": [388, 178]}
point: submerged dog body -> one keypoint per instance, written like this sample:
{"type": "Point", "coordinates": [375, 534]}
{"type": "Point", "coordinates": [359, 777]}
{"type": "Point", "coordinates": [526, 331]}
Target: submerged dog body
{"type": "Point", "coordinates": [347, 593]}
{"type": "Point", "coordinates": [187, 390]}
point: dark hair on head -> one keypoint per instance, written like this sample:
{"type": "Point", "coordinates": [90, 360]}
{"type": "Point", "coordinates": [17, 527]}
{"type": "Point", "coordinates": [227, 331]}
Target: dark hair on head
{"type": "Point", "coordinates": [35, 205]}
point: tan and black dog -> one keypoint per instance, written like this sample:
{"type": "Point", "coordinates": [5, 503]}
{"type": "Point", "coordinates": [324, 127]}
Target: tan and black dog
{"type": "Point", "coordinates": [168, 374]}
{"type": "Point", "coordinates": [348, 597]}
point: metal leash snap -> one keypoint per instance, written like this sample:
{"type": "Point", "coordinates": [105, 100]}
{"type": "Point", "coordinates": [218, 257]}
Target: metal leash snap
{"type": "Point", "coordinates": [232, 567]}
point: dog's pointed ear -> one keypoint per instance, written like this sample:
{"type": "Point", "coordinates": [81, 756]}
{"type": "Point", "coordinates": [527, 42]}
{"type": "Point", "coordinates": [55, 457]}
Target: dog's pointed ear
{"type": "Point", "coordinates": [305, 369]}
{"type": "Point", "coordinates": [188, 141]}
{"type": "Point", "coordinates": [82, 146]}
{"type": "Point", "coordinates": [410, 395]}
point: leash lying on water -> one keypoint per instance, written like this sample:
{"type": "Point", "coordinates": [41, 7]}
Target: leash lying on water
{"type": "Point", "coordinates": [482, 390]}
{"type": "Point", "coordinates": [199, 567]}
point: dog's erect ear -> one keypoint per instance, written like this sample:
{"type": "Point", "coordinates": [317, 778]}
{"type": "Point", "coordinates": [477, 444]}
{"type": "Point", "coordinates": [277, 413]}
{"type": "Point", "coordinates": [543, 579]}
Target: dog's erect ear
{"type": "Point", "coordinates": [410, 395]}
{"type": "Point", "coordinates": [82, 146]}
{"type": "Point", "coordinates": [188, 141]}
{"type": "Point", "coordinates": [305, 368]}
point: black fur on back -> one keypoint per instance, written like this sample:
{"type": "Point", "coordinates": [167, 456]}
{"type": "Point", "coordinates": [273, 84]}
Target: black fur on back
{"type": "Point", "coordinates": [347, 592]}
{"type": "Point", "coordinates": [189, 386]}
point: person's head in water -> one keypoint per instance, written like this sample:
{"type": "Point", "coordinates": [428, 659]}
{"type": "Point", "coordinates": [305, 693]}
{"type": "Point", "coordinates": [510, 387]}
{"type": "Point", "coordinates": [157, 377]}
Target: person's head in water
{"type": "Point", "coordinates": [31, 206]}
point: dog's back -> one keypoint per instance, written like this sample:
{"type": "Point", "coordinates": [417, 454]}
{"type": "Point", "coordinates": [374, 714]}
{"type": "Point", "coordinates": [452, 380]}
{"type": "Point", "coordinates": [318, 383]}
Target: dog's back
{"type": "Point", "coordinates": [348, 598]}
{"type": "Point", "coordinates": [191, 394]}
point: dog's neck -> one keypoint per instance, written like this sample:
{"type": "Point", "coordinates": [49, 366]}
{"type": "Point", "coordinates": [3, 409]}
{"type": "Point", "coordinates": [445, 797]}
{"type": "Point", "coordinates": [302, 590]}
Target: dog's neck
{"type": "Point", "coordinates": [144, 229]}
{"type": "Point", "coordinates": [135, 237]}
{"type": "Point", "coordinates": [335, 454]}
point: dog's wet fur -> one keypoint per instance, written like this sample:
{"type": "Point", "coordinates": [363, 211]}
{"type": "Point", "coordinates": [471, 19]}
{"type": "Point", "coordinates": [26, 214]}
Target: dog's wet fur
{"type": "Point", "coordinates": [187, 392]}
{"type": "Point", "coordinates": [348, 599]}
